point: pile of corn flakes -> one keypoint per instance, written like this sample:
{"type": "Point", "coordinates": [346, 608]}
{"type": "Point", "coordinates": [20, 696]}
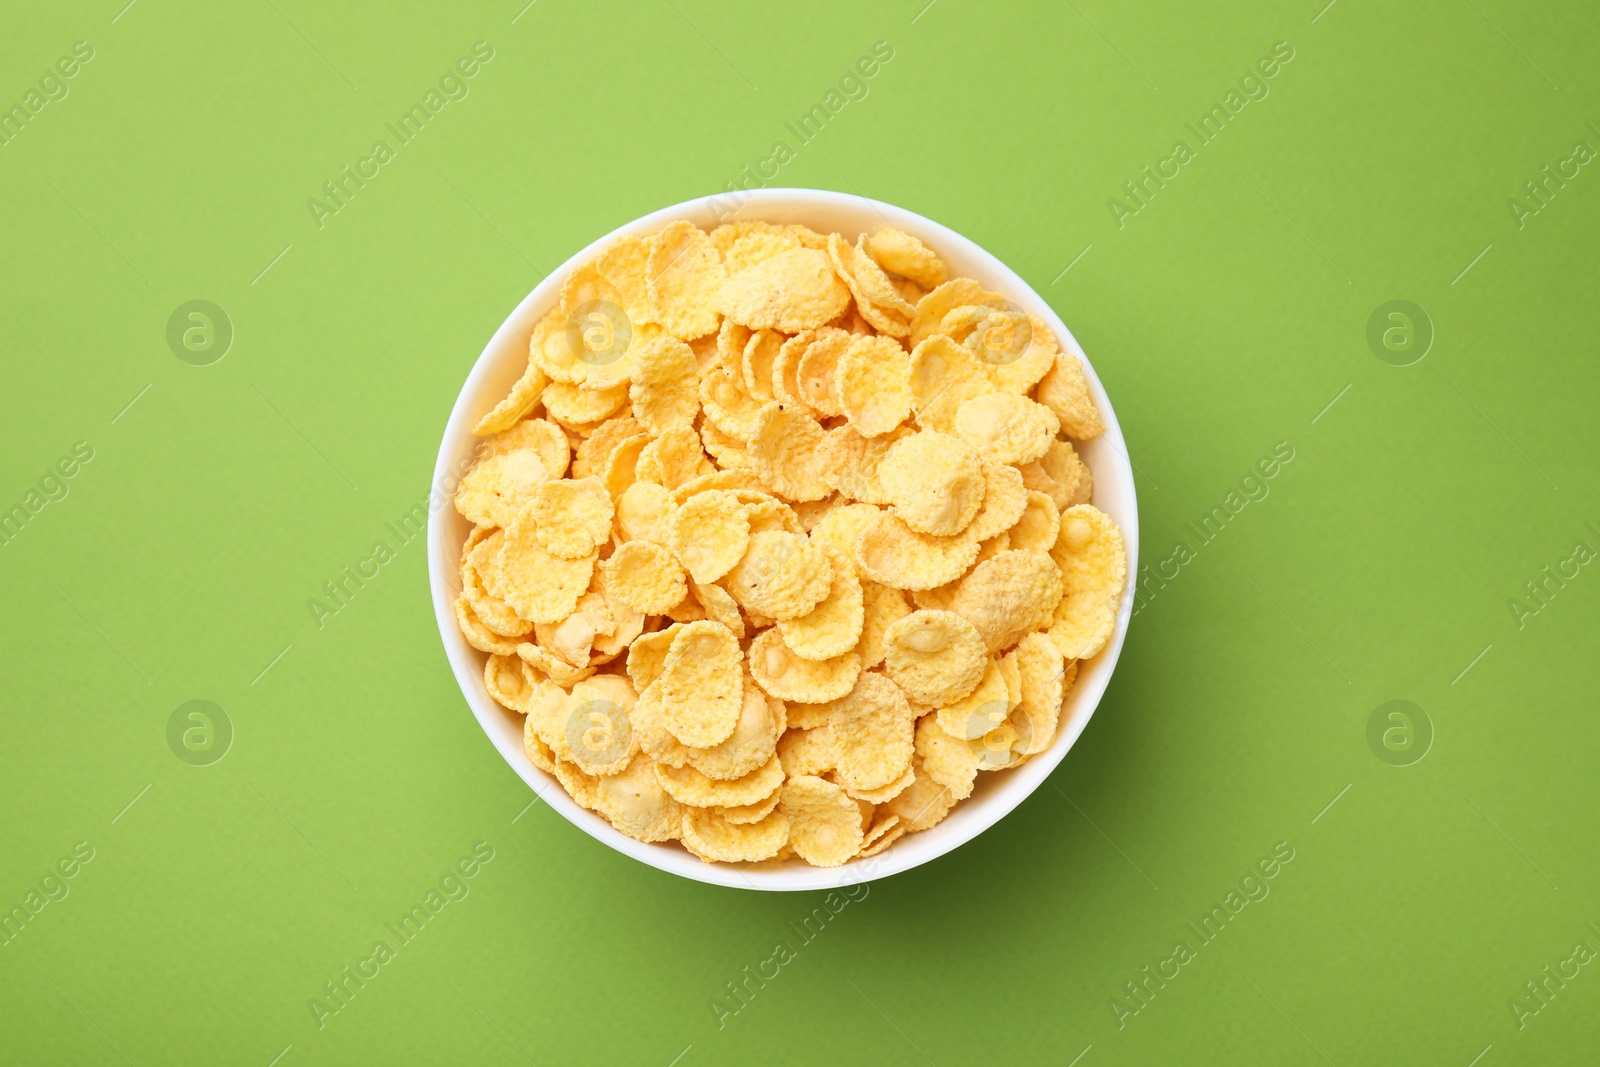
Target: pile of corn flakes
{"type": "Point", "coordinates": [779, 541]}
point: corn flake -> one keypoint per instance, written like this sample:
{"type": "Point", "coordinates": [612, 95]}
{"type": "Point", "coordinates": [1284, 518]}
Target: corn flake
{"type": "Point", "coordinates": [769, 514]}
{"type": "Point", "coordinates": [1085, 490]}
{"type": "Point", "coordinates": [946, 759]}
{"type": "Point", "coordinates": [573, 406]}
{"type": "Point", "coordinates": [634, 802]}
{"type": "Point", "coordinates": [573, 638]}
{"type": "Point", "coordinates": [1065, 391]}
{"type": "Point", "coordinates": [1010, 595]}
{"type": "Point", "coordinates": [872, 381]}
{"type": "Point", "coordinates": [665, 391]}
{"type": "Point", "coordinates": [1056, 474]}
{"type": "Point", "coordinates": [815, 373]}
{"type": "Point", "coordinates": [597, 339]}
{"type": "Point", "coordinates": [980, 710]}
{"type": "Point", "coordinates": [517, 403]}
{"type": "Point", "coordinates": [730, 345]}
{"type": "Point", "coordinates": [812, 512]}
{"type": "Point", "coordinates": [579, 786]}
{"type": "Point", "coordinates": [1040, 524]}
{"type": "Point", "coordinates": [1042, 675]}
{"type": "Point", "coordinates": [689, 609]}
{"type": "Point", "coordinates": [877, 300]}
{"type": "Point", "coordinates": [935, 482]}
{"type": "Point", "coordinates": [539, 586]}
{"type": "Point", "coordinates": [572, 518]}
{"type": "Point", "coordinates": [748, 813]}
{"type": "Point", "coordinates": [1012, 676]}
{"type": "Point", "coordinates": [548, 665]}
{"type": "Point", "coordinates": [924, 804]}
{"type": "Point", "coordinates": [701, 692]}
{"type": "Point", "coordinates": [840, 529]}
{"type": "Point", "coordinates": [534, 747]}
{"type": "Point", "coordinates": [716, 838]}
{"type": "Point", "coordinates": [882, 834]}
{"type": "Point", "coordinates": [756, 363]}
{"type": "Point", "coordinates": [884, 793]}
{"type": "Point", "coordinates": [809, 716]}
{"type": "Point", "coordinates": [710, 533]}
{"type": "Point", "coordinates": [627, 622]}
{"type": "Point", "coordinates": [893, 554]}
{"type": "Point", "coordinates": [735, 481]}
{"type": "Point", "coordinates": [807, 750]}
{"type": "Point", "coordinates": [792, 291]}
{"type": "Point", "coordinates": [752, 743]}
{"type": "Point", "coordinates": [833, 627]}
{"type": "Point", "coordinates": [545, 439]}
{"type": "Point", "coordinates": [882, 608]}
{"type": "Point", "coordinates": [1016, 349]}
{"type": "Point", "coordinates": [645, 576]}
{"type": "Point", "coordinates": [872, 732]}
{"type": "Point", "coordinates": [718, 605]}
{"type": "Point", "coordinates": [752, 245]}
{"type": "Point", "coordinates": [689, 786]}
{"type": "Point", "coordinates": [685, 274]}
{"type": "Point", "coordinates": [622, 465]}
{"type": "Point", "coordinates": [997, 750]}
{"type": "Point", "coordinates": [477, 634]}
{"type": "Point", "coordinates": [549, 349]}
{"type": "Point", "coordinates": [824, 822]}
{"type": "Point", "coordinates": [491, 611]}
{"type": "Point", "coordinates": [943, 374]}
{"type": "Point", "coordinates": [503, 677]}
{"type": "Point", "coordinates": [1094, 566]}
{"type": "Point", "coordinates": [673, 458]}
{"type": "Point", "coordinates": [1006, 427]}
{"type": "Point", "coordinates": [648, 654]}
{"type": "Point", "coordinates": [850, 462]}
{"type": "Point", "coordinates": [959, 322]}
{"type": "Point", "coordinates": [903, 254]}
{"type": "Point", "coordinates": [936, 657]}
{"type": "Point", "coordinates": [596, 734]}
{"type": "Point", "coordinates": [782, 575]}
{"type": "Point", "coordinates": [1005, 498]}
{"type": "Point", "coordinates": [725, 452]}
{"type": "Point", "coordinates": [932, 309]}
{"type": "Point", "coordinates": [786, 369]}
{"type": "Point", "coordinates": [724, 400]}
{"type": "Point", "coordinates": [654, 740]}
{"type": "Point", "coordinates": [786, 452]}
{"type": "Point", "coordinates": [796, 680]}
{"type": "Point", "coordinates": [644, 513]}
{"type": "Point", "coordinates": [500, 488]}
{"type": "Point", "coordinates": [625, 266]}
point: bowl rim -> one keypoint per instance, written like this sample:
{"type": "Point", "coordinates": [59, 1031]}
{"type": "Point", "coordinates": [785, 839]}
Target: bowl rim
{"type": "Point", "coordinates": [1014, 786]}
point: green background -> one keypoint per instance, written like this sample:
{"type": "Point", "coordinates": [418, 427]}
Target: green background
{"type": "Point", "coordinates": [1225, 317]}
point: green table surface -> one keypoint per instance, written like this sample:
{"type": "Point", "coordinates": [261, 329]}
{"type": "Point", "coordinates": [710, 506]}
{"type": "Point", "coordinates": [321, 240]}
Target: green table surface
{"type": "Point", "coordinates": [1430, 541]}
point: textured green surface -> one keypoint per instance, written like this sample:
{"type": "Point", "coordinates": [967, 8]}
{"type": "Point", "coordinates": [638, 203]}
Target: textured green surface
{"type": "Point", "coordinates": [1227, 315]}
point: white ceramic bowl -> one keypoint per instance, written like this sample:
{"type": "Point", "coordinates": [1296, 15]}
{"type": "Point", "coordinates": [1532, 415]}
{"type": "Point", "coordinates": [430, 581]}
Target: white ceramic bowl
{"type": "Point", "coordinates": [503, 361]}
